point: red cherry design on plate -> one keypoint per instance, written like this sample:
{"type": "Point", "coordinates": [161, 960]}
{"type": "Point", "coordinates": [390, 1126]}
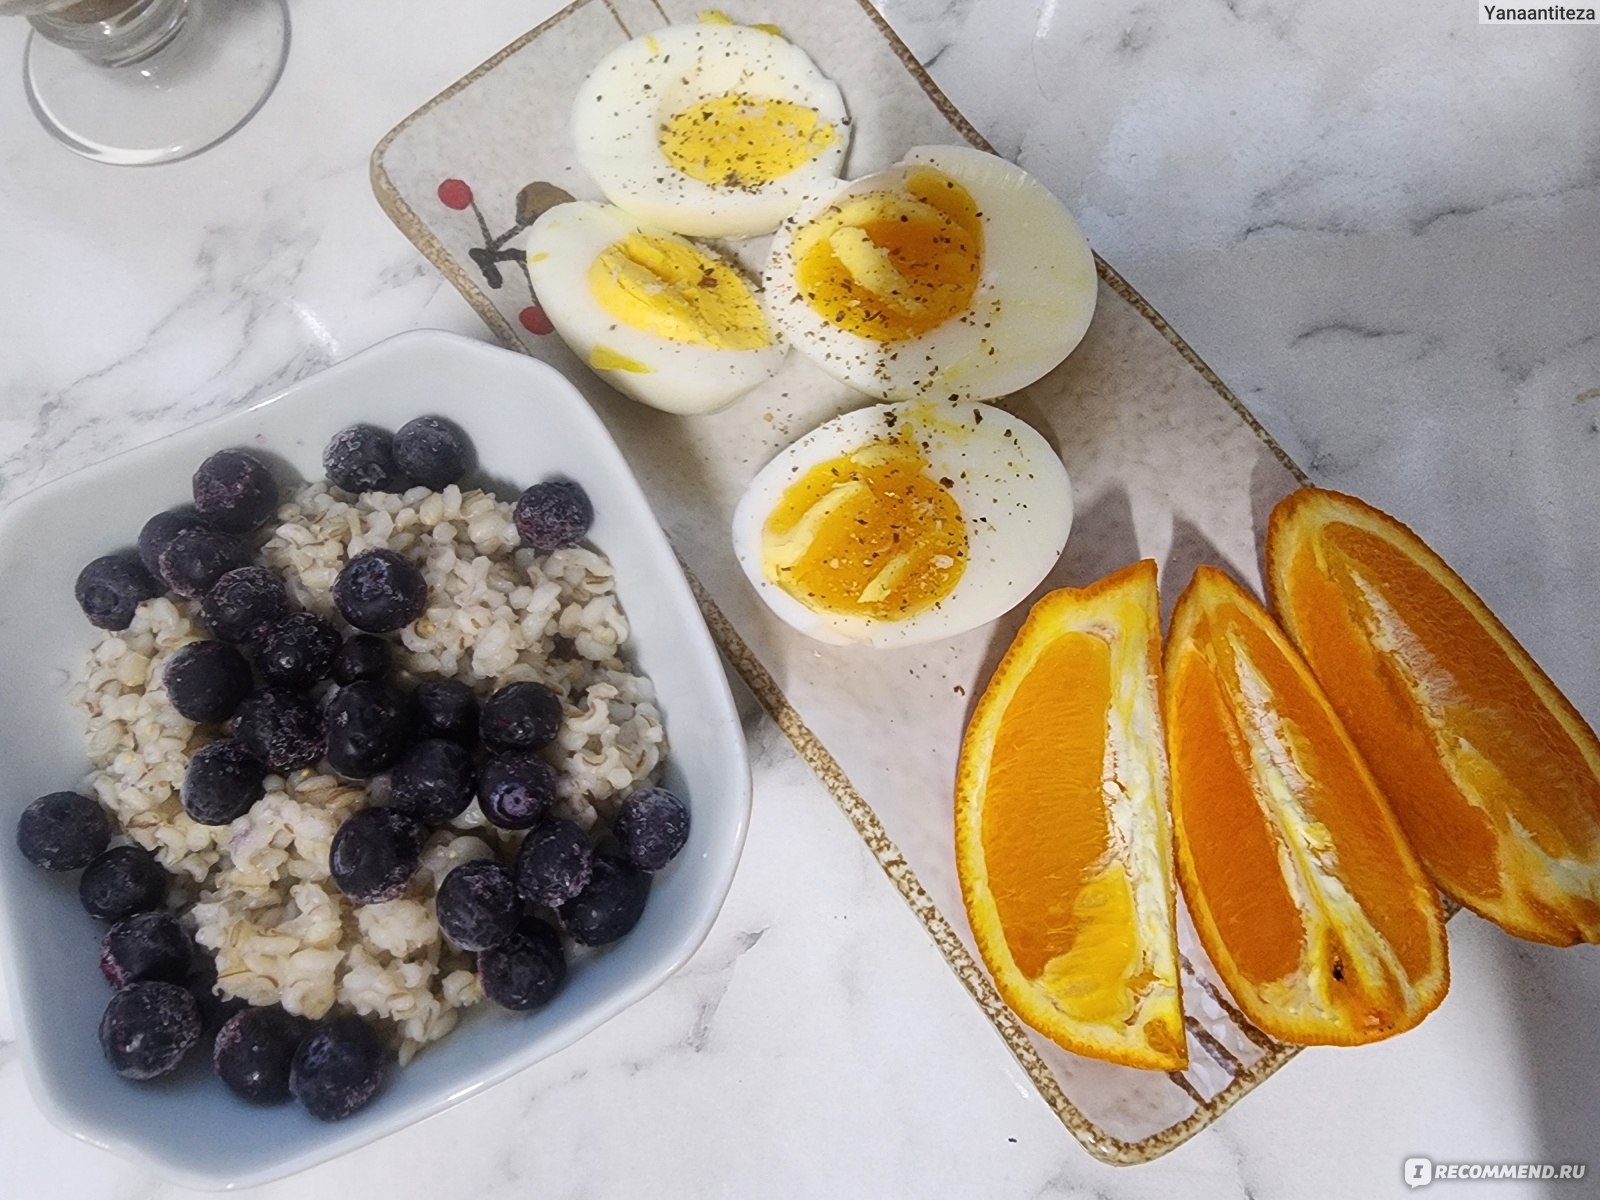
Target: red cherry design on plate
{"type": "Point", "coordinates": [454, 193]}
{"type": "Point", "coordinates": [534, 320]}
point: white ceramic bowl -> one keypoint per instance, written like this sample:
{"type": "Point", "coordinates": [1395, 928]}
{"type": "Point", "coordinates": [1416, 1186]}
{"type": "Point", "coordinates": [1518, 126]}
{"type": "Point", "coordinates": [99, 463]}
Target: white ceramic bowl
{"type": "Point", "coordinates": [526, 422]}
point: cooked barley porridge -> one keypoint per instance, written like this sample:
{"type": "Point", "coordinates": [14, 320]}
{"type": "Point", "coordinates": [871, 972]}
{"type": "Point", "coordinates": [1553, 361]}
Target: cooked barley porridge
{"type": "Point", "coordinates": [257, 893]}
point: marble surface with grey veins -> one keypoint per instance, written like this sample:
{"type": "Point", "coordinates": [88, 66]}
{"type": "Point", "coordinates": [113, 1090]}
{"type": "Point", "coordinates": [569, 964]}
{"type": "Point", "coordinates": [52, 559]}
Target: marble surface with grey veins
{"type": "Point", "coordinates": [1378, 223]}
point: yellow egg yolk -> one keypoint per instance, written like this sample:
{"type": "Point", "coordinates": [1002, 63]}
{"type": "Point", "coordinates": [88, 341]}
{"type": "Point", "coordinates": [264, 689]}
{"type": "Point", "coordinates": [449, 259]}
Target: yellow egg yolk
{"type": "Point", "coordinates": [668, 287]}
{"type": "Point", "coordinates": [891, 265]}
{"type": "Point", "coordinates": [741, 141]}
{"type": "Point", "coordinates": [867, 534]}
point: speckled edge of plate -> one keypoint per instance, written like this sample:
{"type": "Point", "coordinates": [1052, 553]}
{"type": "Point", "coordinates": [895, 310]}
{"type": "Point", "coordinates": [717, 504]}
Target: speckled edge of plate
{"type": "Point", "coordinates": [1097, 1141]}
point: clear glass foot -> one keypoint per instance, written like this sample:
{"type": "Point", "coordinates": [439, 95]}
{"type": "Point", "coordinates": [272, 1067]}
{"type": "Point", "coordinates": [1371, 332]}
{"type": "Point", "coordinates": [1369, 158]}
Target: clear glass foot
{"type": "Point", "coordinates": [158, 81]}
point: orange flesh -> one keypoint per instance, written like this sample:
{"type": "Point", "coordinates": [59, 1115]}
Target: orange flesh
{"type": "Point", "coordinates": [1044, 829]}
{"type": "Point", "coordinates": [1297, 874]}
{"type": "Point", "coordinates": [1503, 717]}
{"type": "Point", "coordinates": [868, 533]}
{"type": "Point", "coordinates": [932, 235]}
{"type": "Point", "coordinates": [1492, 772]}
{"type": "Point", "coordinates": [1455, 838]}
{"type": "Point", "coordinates": [1235, 857]}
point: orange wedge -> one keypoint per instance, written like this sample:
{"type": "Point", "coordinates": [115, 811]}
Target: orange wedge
{"type": "Point", "coordinates": [1492, 772]}
{"type": "Point", "coordinates": [1062, 838]}
{"type": "Point", "coordinates": [1302, 888]}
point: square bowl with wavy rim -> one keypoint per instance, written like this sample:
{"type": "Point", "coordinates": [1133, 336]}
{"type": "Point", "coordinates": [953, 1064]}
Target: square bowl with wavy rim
{"type": "Point", "coordinates": [526, 422]}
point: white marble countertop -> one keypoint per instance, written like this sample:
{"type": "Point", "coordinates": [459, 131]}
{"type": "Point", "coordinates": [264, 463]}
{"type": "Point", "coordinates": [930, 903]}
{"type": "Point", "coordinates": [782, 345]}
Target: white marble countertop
{"type": "Point", "coordinates": [1381, 227]}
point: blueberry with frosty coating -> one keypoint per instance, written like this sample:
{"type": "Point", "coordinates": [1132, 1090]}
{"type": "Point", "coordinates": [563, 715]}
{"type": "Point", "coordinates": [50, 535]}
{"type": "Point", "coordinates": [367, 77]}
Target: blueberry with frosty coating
{"type": "Point", "coordinates": [380, 591]}
{"type": "Point", "coordinates": [282, 729]}
{"type": "Point", "coordinates": [363, 656]}
{"type": "Point", "coordinates": [610, 906]}
{"type": "Point", "coordinates": [526, 970]}
{"type": "Point", "coordinates": [375, 853]}
{"type": "Point", "coordinates": [516, 789]}
{"type": "Point", "coordinates": [368, 725]}
{"type": "Point", "coordinates": [361, 459]}
{"type": "Point", "coordinates": [446, 708]}
{"type": "Point", "coordinates": [520, 716]}
{"type": "Point", "coordinates": [223, 781]}
{"type": "Point", "coordinates": [553, 515]}
{"type": "Point", "coordinates": [158, 532]}
{"type": "Point", "coordinates": [338, 1068]}
{"type": "Point", "coordinates": [297, 650]}
{"type": "Point", "coordinates": [234, 491]}
{"type": "Point", "coordinates": [433, 781]}
{"type": "Point", "coordinates": [206, 680]}
{"type": "Point", "coordinates": [196, 559]}
{"type": "Point", "coordinates": [478, 905]}
{"type": "Point", "coordinates": [554, 863]}
{"type": "Point", "coordinates": [63, 831]}
{"type": "Point", "coordinates": [243, 602]}
{"type": "Point", "coordinates": [148, 1027]}
{"type": "Point", "coordinates": [651, 826]}
{"type": "Point", "coordinates": [254, 1051]}
{"type": "Point", "coordinates": [147, 945]}
{"type": "Point", "coordinates": [122, 881]}
{"type": "Point", "coordinates": [110, 588]}
{"type": "Point", "coordinates": [430, 452]}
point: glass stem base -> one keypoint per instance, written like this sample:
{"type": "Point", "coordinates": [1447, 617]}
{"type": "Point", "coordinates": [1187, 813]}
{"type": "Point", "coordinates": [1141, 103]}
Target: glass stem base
{"type": "Point", "coordinates": [188, 76]}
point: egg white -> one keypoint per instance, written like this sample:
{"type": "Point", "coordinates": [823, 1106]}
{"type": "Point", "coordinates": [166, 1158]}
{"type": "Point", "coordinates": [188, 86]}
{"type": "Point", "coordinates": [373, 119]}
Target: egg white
{"type": "Point", "coordinates": [1012, 489]}
{"type": "Point", "coordinates": [681, 378]}
{"type": "Point", "coordinates": [1034, 300]}
{"type": "Point", "coordinates": [639, 86]}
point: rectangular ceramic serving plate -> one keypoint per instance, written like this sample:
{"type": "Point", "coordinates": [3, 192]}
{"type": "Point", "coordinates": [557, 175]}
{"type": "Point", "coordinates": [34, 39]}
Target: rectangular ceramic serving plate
{"type": "Point", "coordinates": [1165, 463]}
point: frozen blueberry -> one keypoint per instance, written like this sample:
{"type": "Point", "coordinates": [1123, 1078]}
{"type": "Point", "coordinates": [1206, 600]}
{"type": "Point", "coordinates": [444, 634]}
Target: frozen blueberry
{"type": "Point", "coordinates": [363, 656]}
{"type": "Point", "coordinates": [433, 781]}
{"type": "Point", "coordinates": [526, 970]}
{"type": "Point", "coordinates": [159, 531]}
{"type": "Point", "coordinates": [242, 603]}
{"type": "Point", "coordinates": [234, 491]}
{"type": "Point", "coordinates": [62, 831]}
{"type": "Point", "coordinates": [254, 1051]}
{"type": "Point", "coordinates": [195, 559]}
{"type": "Point", "coordinates": [361, 459]}
{"type": "Point", "coordinates": [338, 1068]}
{"type": "Point", "coordinates": [651, 826]}
{"type": "Point", "coordinates": [375, 854]}
{"type": "Point", "coordinates": [520, 716]}
{"type": "Point", "coordinates": [282, 729]}
{"type": "Point", "coordinates": [446, 708]}
{"type": "Point", "coordinates": [554, 863]}
{"type": "Point", "coordinates": [122, 881]}
{"type": "Point", "coordinates": [552, 515]}
{"type": "Point", "coordinates": [516, 789]}
{"type": "Point", "coordinates": [609, 906]}
{"type": "Point", "coordinates": [430, 452]}
{"type": "Point", "coordinates": [147, 945]}
{"type": "Point", "coordinates": [148, 1027]}
{"type": "Point", "coordinates": [380, 591]}
{"type": "Point", "coordinates": [222, 782]}
{"type": "Point", "coordinates": [368, 725]}
{"type": "Point", "coordinates": [109, 590]}
{"type": "Point", "coordinates": [206, 680]}
{"type": "Point", "coordinates": [478, 905]}
{"type": "Point", "coordinates": [296, 651]}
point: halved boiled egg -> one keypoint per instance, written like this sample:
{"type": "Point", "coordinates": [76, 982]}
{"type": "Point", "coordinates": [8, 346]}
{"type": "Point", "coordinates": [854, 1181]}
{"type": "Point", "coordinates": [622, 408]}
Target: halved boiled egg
{"type": "Point", "coordinates": [904, 523]}
{"type": "Point", "coordinates": [661, 319]}
{"type": "Point", "coordinates": [953, 274]}
{"type": "Point", "coordinates": [713, 130]}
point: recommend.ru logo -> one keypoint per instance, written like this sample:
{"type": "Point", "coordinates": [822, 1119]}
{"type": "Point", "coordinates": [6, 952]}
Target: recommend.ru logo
{"type": "Point", "coordinates": [1419, 1172]}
